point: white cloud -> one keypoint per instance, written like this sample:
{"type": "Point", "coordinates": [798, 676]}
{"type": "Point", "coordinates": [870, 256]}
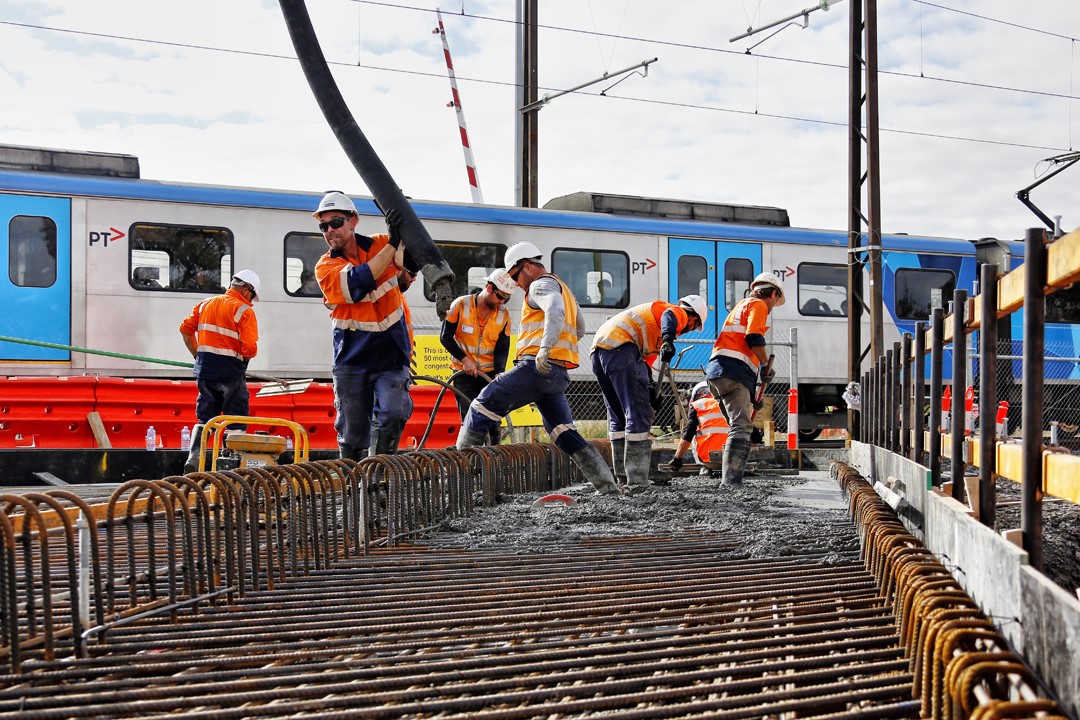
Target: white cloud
{"type": "Point", "coordinates": [718, 125]}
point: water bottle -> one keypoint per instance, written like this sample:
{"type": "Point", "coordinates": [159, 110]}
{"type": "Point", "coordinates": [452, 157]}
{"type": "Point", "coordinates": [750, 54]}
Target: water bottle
{"type": "Point", "coordinates": [288, 443]}
{"type": "Point", "coordinates": [185, 439]}
{"type": "Point", "coordinates": [151, 438]}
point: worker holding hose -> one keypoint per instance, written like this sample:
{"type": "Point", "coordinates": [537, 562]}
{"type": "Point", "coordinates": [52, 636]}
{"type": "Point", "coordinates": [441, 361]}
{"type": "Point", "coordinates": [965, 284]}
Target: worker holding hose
{"type": "Point", "coordinates": [551, 326]}
{"type": "Point", "coordinates": [358, 277]}
{"type": "Point", "coordinates": [222, 335]}
{"type": "Point", "coordinates": [476, 333]}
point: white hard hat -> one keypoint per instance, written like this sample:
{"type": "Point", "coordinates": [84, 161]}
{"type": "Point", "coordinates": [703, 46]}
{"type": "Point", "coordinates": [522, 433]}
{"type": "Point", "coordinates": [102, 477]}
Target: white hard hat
{"type": "Point", "coordinates": [698, 305]}
{"type": "Point", "coordinates": [502, 282]}
{"type": "Point", "coordinates": [700, 390]}
{"type": "Point", "coordinates": [770, 279]}
{"type": "Point", "coordinates": [249, 277]}
{"type": "Point", "coordinates": [335, 201]}
{"type": "Point", "coordinates": [520, 251]}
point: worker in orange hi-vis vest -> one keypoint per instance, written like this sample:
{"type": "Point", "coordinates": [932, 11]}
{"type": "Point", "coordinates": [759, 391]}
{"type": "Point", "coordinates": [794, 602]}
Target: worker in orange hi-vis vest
{"type": "Point", "coordinates": [547, 349]}
{"type": "Point", "coordinates": [738, 359]}
{"type": "Point", "coordinates": [476, 333]}
{"type": "Point", "coordinates": [358, 277]}
{"type": "Point", "coordinates": [624, 347]}
{"type": "Point", "coordinates": [706, 429]}
{"type": "Point", "coordinates": [222, 334]}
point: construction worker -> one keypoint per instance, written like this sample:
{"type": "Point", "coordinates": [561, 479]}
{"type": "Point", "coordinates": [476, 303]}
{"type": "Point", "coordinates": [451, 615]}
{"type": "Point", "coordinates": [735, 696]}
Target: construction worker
{"type": "Point", "coordinates": [476, 333]}
{"type": "Point", "coordinates": [382, 443]}
{"type": "Point", "coordinates": [738, 360]}
{"type": "Point", "coordinates": [222, 334]}
{"type": "Point", "coordinates": [358, 277]}
{"type": "Point", "coordinates": [622, 351]}
{"type": "Point", "coordinates": [706, 430]}
{"type": "Point", "coordinates": [547, 349]}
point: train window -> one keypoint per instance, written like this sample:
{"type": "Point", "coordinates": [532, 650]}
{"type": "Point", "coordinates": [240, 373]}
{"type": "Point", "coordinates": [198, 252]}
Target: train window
{"type": "Point", "coordinates": [598, 278]}
{"type": "Point", "coordinates": [302, 251]}
{"type": "Point", "coordinates": [180, 257]}
{"type": "Point", "coordinates": [1063, 306]}
{"type": "Point", "coordinates": [692, 273]}
{"type": "Point", "coordinates": [471, 263]}
{"type": "Point", "coordinates": [32, 251]}
{"type": "Point", "coordinates": [822, 290]}
{"type": "Point", "coordinates": [738, 272]}
{"type": "Point", "coordinates": [919, 291]}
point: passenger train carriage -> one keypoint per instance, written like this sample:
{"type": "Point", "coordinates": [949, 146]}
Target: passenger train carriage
{"type": "Point", "coordinates": [95, 257]}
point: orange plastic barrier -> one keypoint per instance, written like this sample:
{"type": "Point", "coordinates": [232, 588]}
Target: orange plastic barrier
{"type": "Point", "coordinates": [52, 412]}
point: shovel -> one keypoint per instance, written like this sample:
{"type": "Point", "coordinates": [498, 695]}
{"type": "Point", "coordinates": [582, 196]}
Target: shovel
{"type": "Point", "coordinates": [277, 386]}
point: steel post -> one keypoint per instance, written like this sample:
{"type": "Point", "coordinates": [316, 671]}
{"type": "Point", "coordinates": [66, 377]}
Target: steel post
{"type": "Point", "coordinates": [937, 352]}
{"type": "Point", "coordinates": [988, 289]}
{"type": "Point", "coordinates": [959, 390]}
{"type": "Point", "coordinates": [1034, 376]}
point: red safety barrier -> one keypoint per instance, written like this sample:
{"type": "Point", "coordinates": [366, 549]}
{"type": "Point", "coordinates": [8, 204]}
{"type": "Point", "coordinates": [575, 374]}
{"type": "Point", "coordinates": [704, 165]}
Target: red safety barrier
{"type": "Point", "coordinates": [793, 418]}
{"type": "Point", "coordinates": [946, 408]}
{"type": "Point", "coordinates": [46, 412]}
{"type": "Point", "coordinates": [53, 412]}
{"type": "Point", "coordinates": [1002, 419]}
{"type": "Point", "coordinates": [969, 409]}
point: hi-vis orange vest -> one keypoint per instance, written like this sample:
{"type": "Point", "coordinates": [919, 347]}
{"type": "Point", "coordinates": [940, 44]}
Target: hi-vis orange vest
{"type": "Point", "coordinates": [746, 318]}
{"type": "Point", "coordinates": [639, 325]}
{"type": "Point", "coordinates": [216, 324]}
{"type": "Point", "coordinates": [377, 311]}
{"type": "Point", "coordinates": [712, 430]}
{"type": "Point", "coordinates": [531, 331]}
{"type": "Point", "coordinates": [475, 339]}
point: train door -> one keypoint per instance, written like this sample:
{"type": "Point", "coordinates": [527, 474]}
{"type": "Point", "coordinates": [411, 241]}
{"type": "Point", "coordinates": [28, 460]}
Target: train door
{"type": "Point", "coordinates": [35, 276]}
{"type": "Point", "coordinates": [718, 271]}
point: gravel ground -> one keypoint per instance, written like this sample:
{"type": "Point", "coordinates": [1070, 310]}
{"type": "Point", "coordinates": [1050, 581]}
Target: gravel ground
{"type": "Point", "coordinates": [766, 511]}
{"type": "Point", "coordinates": [1061, 533]}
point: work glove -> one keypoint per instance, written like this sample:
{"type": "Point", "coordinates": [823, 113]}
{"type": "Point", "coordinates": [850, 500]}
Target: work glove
{"type": "Point", "coordinates": [543, 362]}
{"type": "Point", "coordinates": [675, 464]}
{"type": "Point", "coordinates": [655, 399]}
{"type": "Point", "coordinates": [393, 224]}
{"type": "Point", "coordinates": [667, 351]}
{"type": "Point", "coordinates": [766, 374]}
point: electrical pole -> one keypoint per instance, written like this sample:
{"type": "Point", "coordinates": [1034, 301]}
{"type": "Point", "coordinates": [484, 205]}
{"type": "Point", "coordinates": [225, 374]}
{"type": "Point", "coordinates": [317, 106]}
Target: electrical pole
{"type": "Point", "coordinates": [527, 122]}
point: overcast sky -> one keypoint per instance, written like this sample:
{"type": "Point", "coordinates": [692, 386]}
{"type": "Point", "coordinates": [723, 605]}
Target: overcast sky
{"type": "Point", "coordinates": [972, 97]}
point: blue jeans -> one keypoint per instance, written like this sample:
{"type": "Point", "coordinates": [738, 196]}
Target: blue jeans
{"type": "Point", "coordinates": [624, 381]}
{"type": "Point", "coordinates": [357, 393]}
{"type": "Point", "coordinates": [519, 386]}
{"type": "Point", "coordinates": [222, 397]}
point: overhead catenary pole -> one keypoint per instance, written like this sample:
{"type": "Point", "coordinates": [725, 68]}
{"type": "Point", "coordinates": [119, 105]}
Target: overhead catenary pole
{"type": "Point", "coordinates": [873, 180]}
{"type": "Point", "coordinates": [856, 261]}
{"type": "Point", "coordinates": [455, 102]}
{"type": "Point", "coordinates": [528, 138]}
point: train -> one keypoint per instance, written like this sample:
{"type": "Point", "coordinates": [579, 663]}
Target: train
{"type": "Point", "coordinates": [95, 257]}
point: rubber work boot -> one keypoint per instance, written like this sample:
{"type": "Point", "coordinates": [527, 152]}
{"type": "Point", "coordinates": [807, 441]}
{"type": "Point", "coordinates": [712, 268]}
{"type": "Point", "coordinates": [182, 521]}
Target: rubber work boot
{"type": "Point", "coordinates": [192, 463]}
{"type": "Point", "coordinates": [592, 466]}
{"type": "Point", "coordinates": [638, 459]}
{"type": "Point", "coordinates": [348, 452]}
{"type": "Point", "coordinates": [467, 438]}
{"type": "Point", "coordinates": [618, 450]}
{"type": "Point", "coordinates": [735, 454]}
{"type": "Point", "coordinates": [383, 443]}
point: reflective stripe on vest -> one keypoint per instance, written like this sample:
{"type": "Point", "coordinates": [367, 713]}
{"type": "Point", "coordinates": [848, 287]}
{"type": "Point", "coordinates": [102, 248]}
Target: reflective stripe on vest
{"type": "Point", "coordinates": [712, 430]}
{"type": "Point", "coordinates": [214, 337]}
{"type": "Point", "coordinates": [531, 332]}
{"type": "Point", "coordinates": [378, 310]}
{"type": "Point", "coordinates": [639, 325]}
{"type": "Point", "coordinates": [476, 340]}
{"type": "Point", "coordinates": [731, 342]}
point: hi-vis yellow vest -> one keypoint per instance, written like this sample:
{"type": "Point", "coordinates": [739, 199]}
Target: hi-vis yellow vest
{"type": "Point", "coordinates": [478, 341]}
{"type": "Point", "coordinates": [531, 331]}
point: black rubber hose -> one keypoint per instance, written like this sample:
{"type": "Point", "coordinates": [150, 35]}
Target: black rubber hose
{"type": "Point", "coordinates": [363, 157]}
{"type": "Point", "coordinates": [446, 385]}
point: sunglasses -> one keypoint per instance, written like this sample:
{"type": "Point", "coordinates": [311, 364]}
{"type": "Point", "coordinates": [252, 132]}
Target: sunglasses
{"type": "Point", "coordinates": [517, 271]}
{"type": "Point", "coordinates": [504, 298]}
{"type": "Point", "coordinates": [334, 222]}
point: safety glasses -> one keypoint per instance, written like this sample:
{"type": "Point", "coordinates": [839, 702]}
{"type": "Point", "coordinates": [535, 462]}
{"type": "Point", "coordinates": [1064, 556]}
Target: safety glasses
{"type": "Point", "coordinates": [503, 298]}
{"type": "Point", "coordinates": [334, 222]}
